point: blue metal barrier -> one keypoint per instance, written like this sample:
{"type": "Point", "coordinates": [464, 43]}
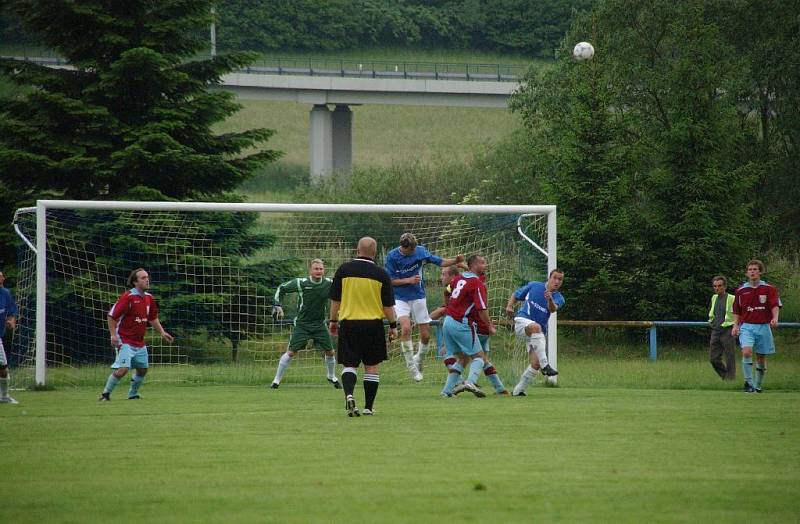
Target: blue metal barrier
{"type": "Point", "coordinates": [652, 327]}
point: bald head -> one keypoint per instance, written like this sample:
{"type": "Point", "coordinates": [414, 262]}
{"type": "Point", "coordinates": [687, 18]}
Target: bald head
{"type": "Point", "coordinates": [367, 247]}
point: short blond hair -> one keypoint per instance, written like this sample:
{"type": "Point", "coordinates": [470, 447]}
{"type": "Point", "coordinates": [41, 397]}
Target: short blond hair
{"type": "Point", "coordinates": [316, 261]}
{"type": "Point", "coordinates": [408, 240]}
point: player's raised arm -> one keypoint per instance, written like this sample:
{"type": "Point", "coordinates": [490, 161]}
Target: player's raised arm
{"type": "Point", "coordinates": [458, 259]}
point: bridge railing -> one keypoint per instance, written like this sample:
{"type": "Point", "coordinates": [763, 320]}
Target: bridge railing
{"type": "Point", "coordinates": [353, 68]}
{"type": "Point", "coordinates": [388, 69]}
{"type": "Point", "coordinates": [652, 327]}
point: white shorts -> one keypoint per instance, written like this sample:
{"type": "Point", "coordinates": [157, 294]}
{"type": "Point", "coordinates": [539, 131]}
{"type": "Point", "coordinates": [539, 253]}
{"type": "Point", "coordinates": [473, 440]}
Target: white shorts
{"type": "Point", "coordinates": [416, 309]}
{"type": "Point", "coordinates": [520, 323]}
{"type": "Point", "coordinates": [3, 360]}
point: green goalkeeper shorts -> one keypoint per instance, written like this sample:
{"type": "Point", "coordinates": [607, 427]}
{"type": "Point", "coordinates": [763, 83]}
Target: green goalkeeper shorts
{"type": "Point", "coordinates": [302, 334]}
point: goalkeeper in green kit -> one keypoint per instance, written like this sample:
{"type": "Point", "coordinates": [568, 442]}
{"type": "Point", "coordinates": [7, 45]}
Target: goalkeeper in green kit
{"type": "Point", "coordinates": [311, 322]}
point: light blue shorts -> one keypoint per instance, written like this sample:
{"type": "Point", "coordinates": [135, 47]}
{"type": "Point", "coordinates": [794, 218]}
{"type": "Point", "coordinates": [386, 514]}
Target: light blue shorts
{"type": "Point", "coordinates": [484, 340]}
{"type": "Point", "coordinates": [131, 357]}
{"type": "Point", "coordinates": [758, 337]}
{"type": "Point", "coordinates": [460, 338]}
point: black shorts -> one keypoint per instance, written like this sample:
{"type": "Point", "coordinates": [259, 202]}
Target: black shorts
{"type": "Point", "coordinates": [361, 341]}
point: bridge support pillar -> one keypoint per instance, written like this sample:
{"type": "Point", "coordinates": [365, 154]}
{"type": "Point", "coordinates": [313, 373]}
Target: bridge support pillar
{"type": "Point", "coordinates": [342, 123]}
{"type": "Point", "coordinates": [320, 141]}
{"type": "Point", "coordinates": [330, 140]}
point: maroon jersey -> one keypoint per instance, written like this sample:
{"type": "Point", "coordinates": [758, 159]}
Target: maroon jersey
{"type": "Point", "coordinates": [754, 304]}
{"type": "Point", "coordinates": [467, 298]}
{"type": "Point", "coordinates": [133, 311]}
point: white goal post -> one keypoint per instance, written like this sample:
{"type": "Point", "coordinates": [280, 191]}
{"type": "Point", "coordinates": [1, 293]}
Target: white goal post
{"type": "Point", "coordinates": [544, 245]}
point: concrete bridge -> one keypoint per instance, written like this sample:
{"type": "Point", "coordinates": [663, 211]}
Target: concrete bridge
{"type": "Point", "coordinates": [330, 87]}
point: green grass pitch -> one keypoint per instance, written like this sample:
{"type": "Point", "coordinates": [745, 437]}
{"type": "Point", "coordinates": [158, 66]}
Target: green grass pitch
{"type": "Point", "coordinates": [248, 454]}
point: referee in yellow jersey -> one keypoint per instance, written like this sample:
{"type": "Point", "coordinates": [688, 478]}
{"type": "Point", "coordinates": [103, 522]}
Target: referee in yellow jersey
{"type": "Point", "coordinates": [361, 297]}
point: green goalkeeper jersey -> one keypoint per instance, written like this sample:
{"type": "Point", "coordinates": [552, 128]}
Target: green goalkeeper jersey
{"type": "Point", "coordinates": [312, 297]}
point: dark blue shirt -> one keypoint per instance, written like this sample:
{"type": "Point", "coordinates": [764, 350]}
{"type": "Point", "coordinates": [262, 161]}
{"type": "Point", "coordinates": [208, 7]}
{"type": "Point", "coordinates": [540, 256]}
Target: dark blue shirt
{"type": "Point", "coordinates": [8, 308]}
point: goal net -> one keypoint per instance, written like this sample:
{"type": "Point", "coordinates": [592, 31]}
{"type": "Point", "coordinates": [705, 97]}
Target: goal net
{"type": "Point", "coordinates": [214, 270]}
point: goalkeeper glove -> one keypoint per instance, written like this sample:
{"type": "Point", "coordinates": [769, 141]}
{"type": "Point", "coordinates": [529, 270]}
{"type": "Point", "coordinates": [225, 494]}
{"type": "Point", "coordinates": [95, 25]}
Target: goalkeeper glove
{"type": "Point", "coordinates": [277, 312]}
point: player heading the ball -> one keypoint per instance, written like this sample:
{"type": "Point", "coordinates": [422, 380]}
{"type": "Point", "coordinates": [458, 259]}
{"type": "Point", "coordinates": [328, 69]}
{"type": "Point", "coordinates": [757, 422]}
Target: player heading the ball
{"type": "Point", "coordinates": [404, 265]}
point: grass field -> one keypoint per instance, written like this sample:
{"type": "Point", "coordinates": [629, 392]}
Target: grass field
{"type": "Point", "coordinates": [382, 135]}
{"type": "Point", "coordinates": [655, 442]}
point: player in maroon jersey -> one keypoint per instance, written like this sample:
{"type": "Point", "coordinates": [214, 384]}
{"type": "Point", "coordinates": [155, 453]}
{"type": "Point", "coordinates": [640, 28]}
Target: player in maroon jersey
{"type": "Point", "coordinates": [755, 311]}
{"type": "Point", "coordinates": [127, 322]}
{"type": "Point", "coordinates": [448, 276]}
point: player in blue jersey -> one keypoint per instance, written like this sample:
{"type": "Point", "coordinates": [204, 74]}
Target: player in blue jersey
{"type": "Point", "coordinates": [539, 301]}
{"type": "Point", "coordinates": [404, 265]}
{"type": "Point", "coordinates": [8, 315]}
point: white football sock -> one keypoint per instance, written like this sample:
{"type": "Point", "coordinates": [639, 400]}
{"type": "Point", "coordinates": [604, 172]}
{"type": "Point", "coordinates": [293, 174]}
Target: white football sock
{"type": "Point", "coordinates": [283, 363]}
{"type": "Point", "coordinates": [330, 365]}
{"type": "Point", "coordinates": [407, 347]}
{"type": "Point", "coordinates": [539, 344]}
{"type": "Point", "coordinates": [3, 387]}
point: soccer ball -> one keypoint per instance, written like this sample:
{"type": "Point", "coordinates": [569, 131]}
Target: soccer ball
{"type": "Point", "coordinates": [583, 51]}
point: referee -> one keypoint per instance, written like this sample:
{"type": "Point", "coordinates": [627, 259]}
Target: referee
{"type": "Point", "coordinates": [361, 297]}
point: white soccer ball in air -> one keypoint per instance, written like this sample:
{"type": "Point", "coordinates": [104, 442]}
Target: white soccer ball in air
{"type": "Point", "coordinates": [583, 51]}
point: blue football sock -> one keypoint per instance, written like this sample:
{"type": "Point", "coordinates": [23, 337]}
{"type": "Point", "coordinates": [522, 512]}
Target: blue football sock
{"type": "Point", "coordinates": [747, 369]}
{"type": "Point", "coordinates": [493, 377]}
{"type": "Point", "coordinates": [759, 378]}
{"type": "Point", "coordinates": [111, 383]}
{"type": "Point", "coordinates": [497, 384]}
{"type": "Point", "coordinates": [136, 381]}
{"type": "Point", "coordinates": [453, 377]}
{"type": "Point", "coordinates": [475, 369]}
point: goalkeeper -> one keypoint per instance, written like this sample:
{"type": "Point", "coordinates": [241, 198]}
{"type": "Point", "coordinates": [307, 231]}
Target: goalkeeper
{"type": "Point", "coordinates": [310, 324]}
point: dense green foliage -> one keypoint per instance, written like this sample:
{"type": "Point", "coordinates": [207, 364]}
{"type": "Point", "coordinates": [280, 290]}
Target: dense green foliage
{"type": "Point", "coordinates": [652, 156]}
{"type": "Point", "coordinates": [520, 26]}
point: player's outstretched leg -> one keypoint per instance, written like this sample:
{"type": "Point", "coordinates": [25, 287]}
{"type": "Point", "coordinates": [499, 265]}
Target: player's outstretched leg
{"type": "Point", "coordinates": [283, 363]}
{"type": "Point", "coordinates": [539, 344]}
{"type": "Point", "coordinates": [494, 379]}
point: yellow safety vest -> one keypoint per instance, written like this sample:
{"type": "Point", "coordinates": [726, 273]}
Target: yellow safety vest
{"type": "Point", "coordinates": [728, 310]}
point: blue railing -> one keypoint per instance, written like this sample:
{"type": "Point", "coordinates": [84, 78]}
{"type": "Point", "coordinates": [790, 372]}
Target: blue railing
{"type": "Point", "coordinates": [652, 327]}
{"type": "Point", "coordinates": [355, 68]}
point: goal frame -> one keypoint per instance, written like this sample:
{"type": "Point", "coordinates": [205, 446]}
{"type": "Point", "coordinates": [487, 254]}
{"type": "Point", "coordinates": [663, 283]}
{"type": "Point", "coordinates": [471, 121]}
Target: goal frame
{"type": "Point", "coordinates": [42, 206]}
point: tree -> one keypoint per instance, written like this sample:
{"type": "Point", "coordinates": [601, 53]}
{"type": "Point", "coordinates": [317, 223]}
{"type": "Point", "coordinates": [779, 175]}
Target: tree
{"type": "Point", "coordinates": [641, 149]}
{"type": "Point", "coordinates": [761, 33]}
{"type": "Point", "coordinates": [134, 111]}
{"type": "Point", "coordinates": [131, 119]}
